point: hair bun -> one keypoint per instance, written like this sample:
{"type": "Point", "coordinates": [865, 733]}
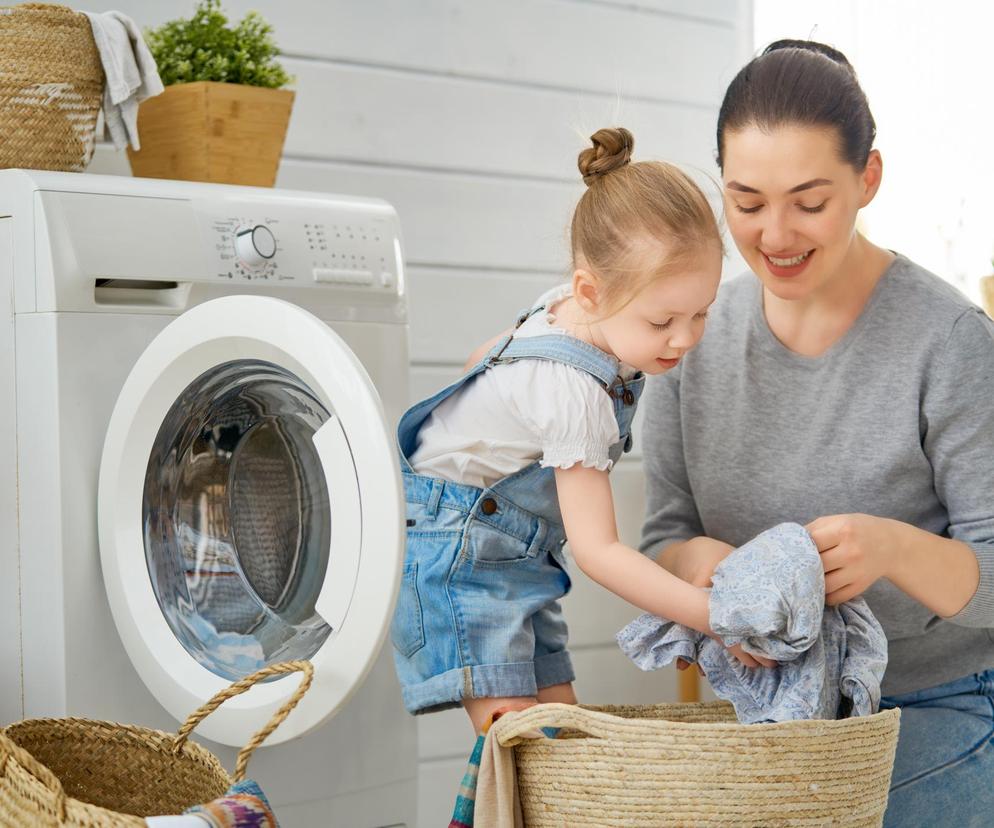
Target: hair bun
{"type": "Point", "coordinates": [612, 149]}
{"type": "Point", "coordinates": [810, 46]}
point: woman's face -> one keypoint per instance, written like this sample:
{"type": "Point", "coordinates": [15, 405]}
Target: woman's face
{"type": "Point", "coordinates": [791, 204]}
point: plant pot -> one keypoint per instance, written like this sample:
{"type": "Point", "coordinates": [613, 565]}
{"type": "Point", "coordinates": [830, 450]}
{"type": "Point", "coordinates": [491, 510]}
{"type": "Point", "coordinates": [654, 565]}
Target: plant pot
{"type": "Point", "coordinates": [225, 133]}
{"type": "Point", "coordinates": [987, 294]}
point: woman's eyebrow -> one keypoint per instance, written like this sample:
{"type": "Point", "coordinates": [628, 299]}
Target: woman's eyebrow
{"type": "Point", "coordinates": [807, 185]}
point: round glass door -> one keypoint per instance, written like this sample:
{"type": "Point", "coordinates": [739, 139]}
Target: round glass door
{"type": "Point", "coordinates": [251, 511]}
{"type": "Point", "coordinates": [237, 518]}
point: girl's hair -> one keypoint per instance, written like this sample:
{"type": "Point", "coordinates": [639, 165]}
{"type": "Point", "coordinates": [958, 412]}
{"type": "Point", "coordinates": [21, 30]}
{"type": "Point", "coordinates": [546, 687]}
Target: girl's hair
{"type": "Point", "coordinates": [800, 82]}
{"type": "Point", "coordinates": [628, 208]}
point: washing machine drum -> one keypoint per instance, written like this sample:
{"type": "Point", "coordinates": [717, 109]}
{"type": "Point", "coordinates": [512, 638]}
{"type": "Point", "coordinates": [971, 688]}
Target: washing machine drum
{"type": "Point", "coordinates": [250, 513]}
{"type": "Point", "coordinates": [238, 520]}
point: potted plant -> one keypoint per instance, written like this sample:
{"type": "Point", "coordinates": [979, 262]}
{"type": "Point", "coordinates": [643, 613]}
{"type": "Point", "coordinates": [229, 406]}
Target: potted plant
{"type": "Point", "coordinates": [222, 116]}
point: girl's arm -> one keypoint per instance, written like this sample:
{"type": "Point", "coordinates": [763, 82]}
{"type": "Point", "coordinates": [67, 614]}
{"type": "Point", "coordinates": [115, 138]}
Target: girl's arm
{"type": "Point", "coordinates": [588, 515]}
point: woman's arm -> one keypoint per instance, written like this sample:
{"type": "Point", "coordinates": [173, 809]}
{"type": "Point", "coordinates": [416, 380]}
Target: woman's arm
{"type": "Point", "coordinates": [694, 560]}
{"type": "Point", "coordinates": [953, 576]}
{"type": "Point", "coordinates": [483, 349]}
{"type": "Point", "coordinates": [588, 514]}
{"type": "Point", "coordinates": [671, 513]}
{"type": "Point", "coordinates": [856, 550]}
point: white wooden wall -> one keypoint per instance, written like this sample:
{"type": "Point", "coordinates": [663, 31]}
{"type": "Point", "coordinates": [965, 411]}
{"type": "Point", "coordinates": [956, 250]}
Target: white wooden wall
{"type": "Point", "coordinates": [467, 116]}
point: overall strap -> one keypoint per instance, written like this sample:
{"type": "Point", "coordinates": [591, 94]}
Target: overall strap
{"type": "Point", "coordinates": [556, 348]}
{"type": "Point", "coordinates": [412, 420]}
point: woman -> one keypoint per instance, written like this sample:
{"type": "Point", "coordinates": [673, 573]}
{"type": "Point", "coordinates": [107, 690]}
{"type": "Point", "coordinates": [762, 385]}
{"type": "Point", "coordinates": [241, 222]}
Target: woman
{"type": "Point", "coordinates": [846, 388]}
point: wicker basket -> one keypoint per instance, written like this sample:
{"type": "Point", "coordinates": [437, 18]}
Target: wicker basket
{"type": "Point", "coordinates": [89, 774]}
{"type": "Point", "coordinates": [694, 765]}
{"type": "Point", "coordinates": [51, 86]}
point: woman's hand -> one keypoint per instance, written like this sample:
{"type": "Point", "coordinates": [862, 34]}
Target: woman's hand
{"type": "Point", "coordinates": [697, 558]}
{"type": "Point", "coordinates": [856, 551]}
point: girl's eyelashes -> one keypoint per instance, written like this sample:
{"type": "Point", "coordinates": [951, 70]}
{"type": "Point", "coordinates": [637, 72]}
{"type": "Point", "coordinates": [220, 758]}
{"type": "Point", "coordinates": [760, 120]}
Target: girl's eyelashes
{"type": "Point", "coordinates": [662, 326]}
{"type": "Point", "coordinates": [742, 209]}
{"type": "Point", "coordinates": [816, 209]}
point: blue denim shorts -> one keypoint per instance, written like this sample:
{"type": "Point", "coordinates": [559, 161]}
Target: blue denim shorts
{"type": "Point", "coordinates": [478, 614]}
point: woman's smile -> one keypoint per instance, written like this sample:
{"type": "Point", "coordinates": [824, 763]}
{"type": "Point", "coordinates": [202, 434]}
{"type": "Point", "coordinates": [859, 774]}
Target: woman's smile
{"type": "Point", "coordinates": [787, 266]}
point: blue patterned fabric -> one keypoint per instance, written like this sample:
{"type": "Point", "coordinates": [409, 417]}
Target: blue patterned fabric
{"type": "Point", "coordinates": [769, 596]}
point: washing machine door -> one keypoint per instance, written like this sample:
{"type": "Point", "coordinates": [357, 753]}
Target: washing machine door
{"type": "Point", "coordinates": [250, 512]}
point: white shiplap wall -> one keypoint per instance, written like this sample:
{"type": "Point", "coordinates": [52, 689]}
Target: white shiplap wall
{"type": "Point", "coordinates": [467, 116]}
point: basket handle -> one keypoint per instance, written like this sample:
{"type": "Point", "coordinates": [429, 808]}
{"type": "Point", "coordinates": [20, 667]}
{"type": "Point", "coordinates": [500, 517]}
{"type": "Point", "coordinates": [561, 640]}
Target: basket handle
{"type": "Point", "coordinates": [9, 749]}
{"type": "Point", "coordinates": [236, 689]}
{"type": "Point", "coordinates": [513, 728]}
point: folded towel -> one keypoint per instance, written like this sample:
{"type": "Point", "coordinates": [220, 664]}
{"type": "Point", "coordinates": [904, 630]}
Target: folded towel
{"type": "Point", "coordinates": [130, 73]}
{"type": "Point", "coordinates": [769, 596]}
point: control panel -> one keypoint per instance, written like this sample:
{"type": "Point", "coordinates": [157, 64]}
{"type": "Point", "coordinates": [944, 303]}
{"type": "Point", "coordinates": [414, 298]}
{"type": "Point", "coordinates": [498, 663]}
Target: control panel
{"type": "Point", "coordinates": [351, 245]}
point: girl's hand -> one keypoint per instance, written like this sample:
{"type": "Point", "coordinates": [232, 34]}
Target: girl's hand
{"type": "Point", "coordinates": [856, 550]}
{"type": "Point", "coordinates": [749, 660]}
{"type": "Point", "coordinates": [737, 651]}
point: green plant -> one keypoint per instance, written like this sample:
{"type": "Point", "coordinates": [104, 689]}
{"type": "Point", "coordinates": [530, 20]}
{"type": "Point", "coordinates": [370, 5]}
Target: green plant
{"type": "Point", "coordinates": [206, 48]}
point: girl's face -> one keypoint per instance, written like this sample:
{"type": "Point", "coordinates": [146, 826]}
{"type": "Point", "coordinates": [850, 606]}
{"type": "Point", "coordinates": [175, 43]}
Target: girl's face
{"type": "Point", "coordinates": [665, 319]}
{"type": "Point", "coordinates": [791, 204]}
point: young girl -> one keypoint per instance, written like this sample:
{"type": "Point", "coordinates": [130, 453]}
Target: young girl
{"type": "Point", "coordinates": [508, 463]}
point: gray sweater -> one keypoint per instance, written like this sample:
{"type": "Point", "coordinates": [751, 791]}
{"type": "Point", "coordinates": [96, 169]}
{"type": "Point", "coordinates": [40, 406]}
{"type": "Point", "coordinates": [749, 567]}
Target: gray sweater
{"type": "Point", "coordinates": [896, 419]}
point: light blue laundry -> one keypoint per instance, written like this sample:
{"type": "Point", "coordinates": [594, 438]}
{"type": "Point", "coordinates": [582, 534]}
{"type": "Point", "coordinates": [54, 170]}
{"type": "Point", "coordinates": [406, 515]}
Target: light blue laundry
{"type": "Point", "coordinates": [769, 596]}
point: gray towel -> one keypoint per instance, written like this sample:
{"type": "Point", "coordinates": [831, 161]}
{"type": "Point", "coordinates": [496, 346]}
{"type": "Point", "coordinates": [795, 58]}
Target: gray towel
{"type": "Point", "coordinates": [769, 596]}
{"type": "Point", "coordinates": [130, 74]}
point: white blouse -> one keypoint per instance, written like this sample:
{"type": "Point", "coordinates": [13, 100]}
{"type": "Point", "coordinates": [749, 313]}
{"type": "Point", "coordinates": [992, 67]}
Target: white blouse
{"type": "Point", "coordinates": [509, 416]}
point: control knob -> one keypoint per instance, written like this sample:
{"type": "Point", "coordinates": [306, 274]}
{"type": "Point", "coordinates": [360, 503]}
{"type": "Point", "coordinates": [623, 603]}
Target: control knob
{"type": "Point", "coordinates": [255, 246]}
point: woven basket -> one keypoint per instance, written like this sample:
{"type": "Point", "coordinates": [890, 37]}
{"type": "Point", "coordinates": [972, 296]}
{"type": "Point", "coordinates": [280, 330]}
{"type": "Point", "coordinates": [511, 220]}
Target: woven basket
{"type": "Point", "coordinates": [694, 765]}
{"type": "Point", "coordinates": [51, 85]}
{"type": "Point", "coordinates": [89, 774]}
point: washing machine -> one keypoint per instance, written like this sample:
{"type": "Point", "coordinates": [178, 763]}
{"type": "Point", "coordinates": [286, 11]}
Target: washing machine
{"type": "Point", "coordinates": [199, 389]}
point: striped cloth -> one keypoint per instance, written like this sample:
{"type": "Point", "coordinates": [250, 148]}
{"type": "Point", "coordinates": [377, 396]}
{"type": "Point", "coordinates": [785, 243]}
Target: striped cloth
{"type": "Point", "coordinates": [462, 814]}
{"type": "Point", "coordinates": [244, 805]}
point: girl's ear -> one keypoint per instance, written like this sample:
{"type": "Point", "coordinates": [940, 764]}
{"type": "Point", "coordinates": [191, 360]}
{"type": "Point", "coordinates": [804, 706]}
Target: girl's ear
{"type": "Point", "coordinates": [586, 290]}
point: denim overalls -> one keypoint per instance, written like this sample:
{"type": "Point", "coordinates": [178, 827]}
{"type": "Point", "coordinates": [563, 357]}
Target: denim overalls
{"type": "Point", "coordinates": [478, 614]}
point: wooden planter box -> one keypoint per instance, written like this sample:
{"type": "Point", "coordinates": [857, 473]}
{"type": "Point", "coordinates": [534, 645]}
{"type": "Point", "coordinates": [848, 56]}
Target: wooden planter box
{"type": "Point", "coordinates": [226, 133]}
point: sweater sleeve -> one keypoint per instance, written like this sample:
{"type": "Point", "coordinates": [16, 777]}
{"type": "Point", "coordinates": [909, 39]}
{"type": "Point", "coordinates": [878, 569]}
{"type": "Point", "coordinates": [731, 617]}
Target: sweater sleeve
{"type": "Point", "coordinates": [958, 438]}
{"type": "Point", "coordinates": [671, 513]}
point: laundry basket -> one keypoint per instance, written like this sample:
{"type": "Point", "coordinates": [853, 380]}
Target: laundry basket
{"type": "Point", "coordinates": [51, 85]}
{"type": "Point", "coordinates": [89, 774]}
{"type": "Point", "coordinates": [694, 765]}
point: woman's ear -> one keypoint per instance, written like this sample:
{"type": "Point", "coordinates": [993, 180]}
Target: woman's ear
{"type": "Point", "coordinates": [586, 290]}
{"type": "Point", "coordinates": [871, 177]}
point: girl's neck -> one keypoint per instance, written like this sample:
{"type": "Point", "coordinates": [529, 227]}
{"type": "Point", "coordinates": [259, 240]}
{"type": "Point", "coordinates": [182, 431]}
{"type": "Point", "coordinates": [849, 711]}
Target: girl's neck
{"type": "Point", "coordinates": [570, 317]}
{"type": "Point", "coordinates": [812, 325]}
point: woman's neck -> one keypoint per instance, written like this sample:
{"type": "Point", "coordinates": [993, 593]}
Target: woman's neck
{"type": "Point", "coordinates": [812, 325]}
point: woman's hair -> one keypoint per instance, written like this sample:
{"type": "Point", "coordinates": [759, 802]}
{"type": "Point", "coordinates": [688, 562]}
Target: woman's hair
{"type": "Point", "coordinates": [629, 208]}
{"type": "Point", "coordinates": [800, 82]}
